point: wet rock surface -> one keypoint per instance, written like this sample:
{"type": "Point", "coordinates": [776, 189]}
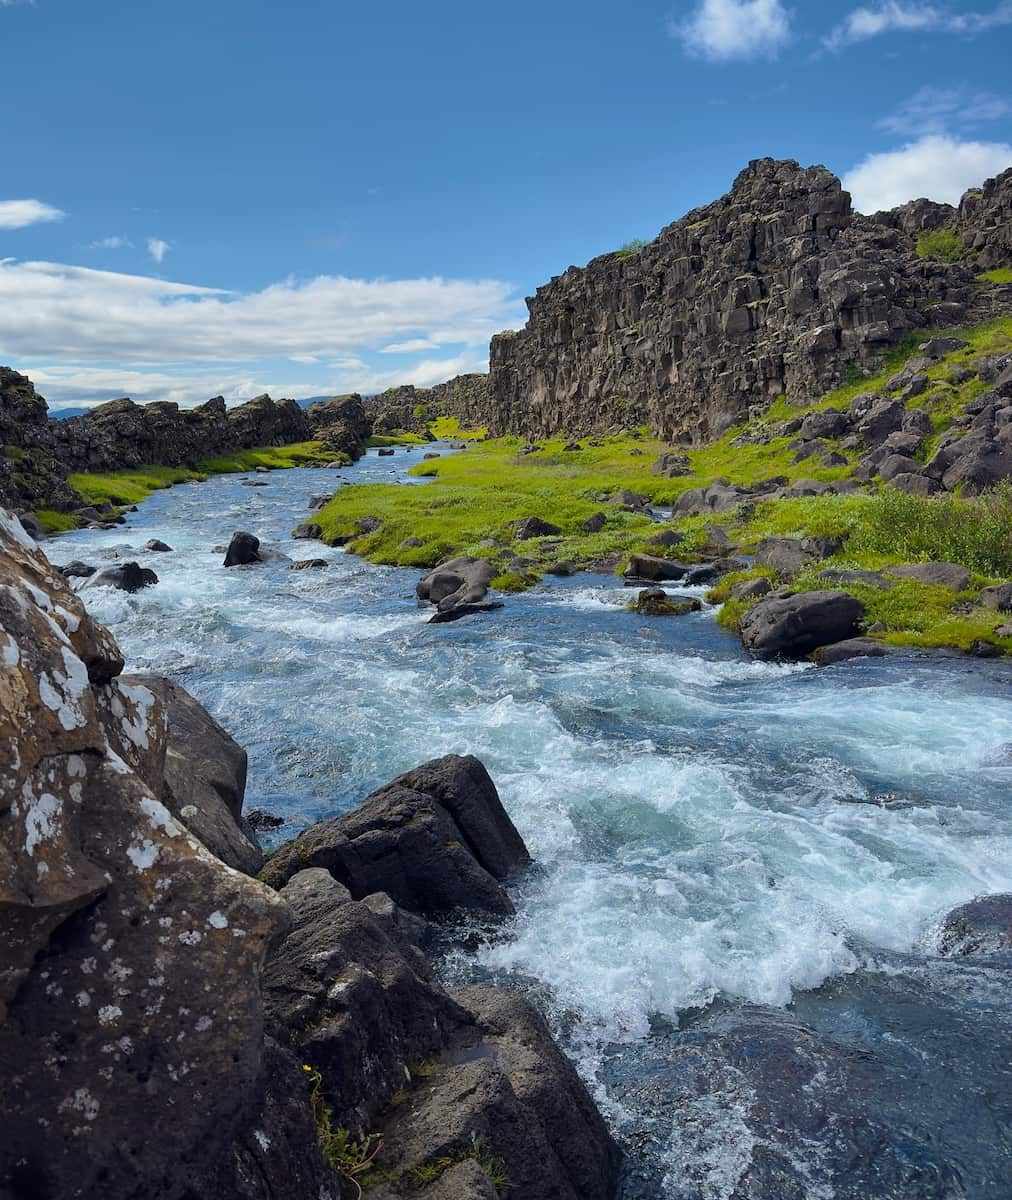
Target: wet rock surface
{"type": "Point", "coordinates": [983, 926]}
{"type": "Point", "coordinates": [795, 625]}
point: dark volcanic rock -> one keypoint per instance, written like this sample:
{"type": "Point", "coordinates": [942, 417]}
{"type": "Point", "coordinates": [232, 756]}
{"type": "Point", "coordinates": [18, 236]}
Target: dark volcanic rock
{"type": "Point", "coordinates": [459, 583]}
{"type": "Point", "coordinates": [307, 531]}
{"type": "Point", "coordinates": [204, 776]}
{"type": "Point", "coordinates": [790, 556]}
{"type": "Point", "coordinates": [127, 577]}
{"type": "Point", "coordinates": [655, 602]}
{"type": "Point", "coordinates": [999, 596]}
{"type": "Point", "coordinates": [793, 626]}
{"type": "Point", "coordinates": [129, 980]}
{"type": "Point", "coordinates": [594, 523]}
{"type": "Point", "coordinates": [645, 566]}
{"type": "Point", "coordinates": [858, 647]}
{"type": "Point", "coordinates": [984, 926]}
{"type": "Point", "coordinates": [341, 424]}
{"type": "Point", "coordinates": [534, 527]}
{"type": "Point", "coordinates": [243, 549]}
{"type": "Point", "coordinates": [157, 547]}
{"type": "Point", "coordinates": [77, 570]}
{"type": "Point", "coordinates": [777, 288]}
{"type": "Point", "coordinates": [434, 840]}
{"type": "Point", "coordinates": [950, 575]}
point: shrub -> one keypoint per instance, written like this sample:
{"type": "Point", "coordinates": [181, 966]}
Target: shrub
{"type": "Point", "coordinates": [633, 247]}
{"type": "Point", "coordinates": [943, 244]}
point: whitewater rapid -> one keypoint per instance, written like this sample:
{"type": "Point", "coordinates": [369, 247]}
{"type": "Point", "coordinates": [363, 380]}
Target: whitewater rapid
{"type": "Point", "coordinates": [707, 829]}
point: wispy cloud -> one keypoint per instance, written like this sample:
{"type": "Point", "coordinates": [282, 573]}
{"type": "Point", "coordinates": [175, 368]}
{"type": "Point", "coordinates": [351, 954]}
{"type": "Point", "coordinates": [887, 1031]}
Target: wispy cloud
{"type": "Point", "coordinates": [410, 347]}
{"type": "Point", "coordinates": [111, 243]}
{"type": "Point", "coordinates": [724, 30]}
{"type": "Point", "coordinates": [937, 110]}
{"type": "Point", "coordinates": [18, 214]}
{"type": "Point", "coordinates": [894, 16]}
{"type": "Point", "coordinates": [158, 249]}
{"type": "Point", "coordinates": [937, 167]}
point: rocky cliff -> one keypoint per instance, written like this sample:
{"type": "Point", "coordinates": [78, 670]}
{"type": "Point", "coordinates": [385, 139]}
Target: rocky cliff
{"type": "Point", "coordinates": [38, 452]}
{"type": "Point", "coordinates": [412, 408]}
{"type": "Point", "coordinates": [777, 288]}
{"type": "Point", "coordinates": [341, 424]}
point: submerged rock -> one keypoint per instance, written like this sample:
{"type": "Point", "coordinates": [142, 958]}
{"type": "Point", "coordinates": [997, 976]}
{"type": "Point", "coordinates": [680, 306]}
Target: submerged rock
{"type": "Point", "coordinates": [127, 577]}
{"type": "Point", "coordinates": [983, 926]}
{"type": "Point", "coordinates": [655, 602]}
{"type": "Point", "coordinates": [793, 626]}
{"type": "Point", "coordinates": [157, 547]}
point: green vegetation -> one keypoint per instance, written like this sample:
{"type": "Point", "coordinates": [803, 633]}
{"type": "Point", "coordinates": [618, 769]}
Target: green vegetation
{"type": "Point", "coordinates": [448, 429]}
{"type": "Point", "coordinates": [131, 487]}
{"type": "Point", "coordinates": [943, 244]}
{"type": "Point", "coordinates": [490, 1163]}
{"type": "Point", "coordinates": [350, 1157]}
{"type": "Point", "coordinates": [630, 248]}
{"type": "Point", "coordinates": [55, 522]}
{"type": "Point", "coordinates": [998, 275]}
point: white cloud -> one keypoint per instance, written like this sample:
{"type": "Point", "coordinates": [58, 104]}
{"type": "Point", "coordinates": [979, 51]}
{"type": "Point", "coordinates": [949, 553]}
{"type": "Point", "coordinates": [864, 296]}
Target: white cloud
{"type": "Point", "coordinates": [410, 347]}
{"type": "Point", "coordinates": [937, 167]}
{"type": "Point", "coordinates": [111, 243]}
{"type": "Point", "coordinates": [894, 16]}
{"type": "Point", "coordinates": [157, 248]}
{"type": "Point", "coordinates": [17, 214]}
{"type": "Point", "coordinates": [54, 312]}
{"type": "Point", "coordinates": [720, 30]}
{"type": "Point", "coordinates": [935, 110]}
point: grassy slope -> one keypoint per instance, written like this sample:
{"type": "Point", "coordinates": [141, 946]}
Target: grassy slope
{"type": "Point", "coordinates": [477, 496]}
{"type": "Point", "coordinates": [131, 487]}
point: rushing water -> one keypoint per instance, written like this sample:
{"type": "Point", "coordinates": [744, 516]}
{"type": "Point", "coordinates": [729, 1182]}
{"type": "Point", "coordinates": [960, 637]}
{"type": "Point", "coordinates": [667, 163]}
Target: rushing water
{"type": "Point", "coordinates": [709, 831]}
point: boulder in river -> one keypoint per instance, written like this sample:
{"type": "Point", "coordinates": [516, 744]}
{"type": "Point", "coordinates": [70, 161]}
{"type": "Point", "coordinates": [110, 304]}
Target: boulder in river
{"type": "Point", "coordinates": [435, 840]}
{"type": "Point", "coordinates": [77, 570]}
{"type": "Point", "coordinates": [795, 625]}
{"type": "Point", "coordinates": [983, 926]}
{"type": "Point", "coordinates": [242, 550]}
{"type": "Point", "coordinates": [857, 647]}
{"type": "Point", "coordinates": [157, 547]}
{"type": "Point", "coordinates": [455, 584]}
{"type": "Point", "coordinates": [655, 602]}
{"type": "Point", "coordinates": [646, 566]}
{"type": "Point", "coordinates": [308, 564]}
{"type": "Point", "coordinates": [127, 577]}
{"type": "Point", "coordinates": [307, 531]}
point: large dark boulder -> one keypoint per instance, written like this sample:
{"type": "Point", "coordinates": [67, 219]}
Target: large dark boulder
{"type": "Point", "coordinates": [534, 527]}
{"type": "Point", "coordinates": [793, 626]}
{"type": "Point", "coordinates": [790, 556]}
{"type": "Point", "coordinates": [457, 584]}
{"type": "Point", "coordinates": [130, 971]}
{"type": "Point", "coordinates": [950, 575]}
{"type": "Point", "coordinates": [126, 577]}
{"type": "Point", "coordinates": [983, 926]}
{"type": "Point", "coordinates": [435, 840]}
{"type": "Point", "coordinates": [204, 775]}
{"type": "Point", "coordinates": [244, 548]}
{"type": "Point", "coordinates": [646, 566]}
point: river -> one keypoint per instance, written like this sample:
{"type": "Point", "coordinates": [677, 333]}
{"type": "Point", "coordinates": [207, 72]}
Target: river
{"type": "Point", "coordinates": [711, 833]}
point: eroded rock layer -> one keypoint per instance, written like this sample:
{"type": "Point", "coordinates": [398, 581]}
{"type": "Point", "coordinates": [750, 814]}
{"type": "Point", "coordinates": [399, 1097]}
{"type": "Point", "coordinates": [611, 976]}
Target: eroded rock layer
{"type": "Point", "coordinates": [777, 288]}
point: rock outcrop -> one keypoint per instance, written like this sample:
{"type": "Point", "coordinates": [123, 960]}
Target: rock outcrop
{"type": "Point", "coordinates": [776, 289]}
{"type": "Point", "coordinates": [341, 424]}
{"type": "Point", "coordinates": [131, 1042]}
{"type": "Point", "coordinates": [411, 408]}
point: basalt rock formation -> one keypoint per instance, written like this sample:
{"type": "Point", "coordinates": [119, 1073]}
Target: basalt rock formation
{"type": "Point", "coordinates": [341, 424]}
{"type": "Point", "coordinates": [38, 452]}
{"type": "Point", "coordinates": [777, 288]}
{"type": "Point", "coordinates": [412, 408]}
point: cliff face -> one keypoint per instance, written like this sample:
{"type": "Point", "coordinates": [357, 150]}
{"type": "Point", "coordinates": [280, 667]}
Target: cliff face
{"type": "Point", "coordinates": [464, 397]}
{"type": "Point", "coordinates": [341, 424]}
{"type": "Point", "coordinates": [37, 452]}
{"type": "Point", "coordinates": [778, 287]}
{"type": "Point", "coordinates": [121, 434]}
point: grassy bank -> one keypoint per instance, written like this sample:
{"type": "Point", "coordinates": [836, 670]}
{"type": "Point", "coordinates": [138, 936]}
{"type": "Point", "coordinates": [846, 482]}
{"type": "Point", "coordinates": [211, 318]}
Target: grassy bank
{"type": "Point", "coordinates": [476, 498]}
{"type": "Point", "coordinates": [122, 488]}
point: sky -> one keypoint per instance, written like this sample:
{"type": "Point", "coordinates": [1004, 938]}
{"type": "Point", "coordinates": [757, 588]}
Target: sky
{"type": "Point", "coordinates": [313, 197]}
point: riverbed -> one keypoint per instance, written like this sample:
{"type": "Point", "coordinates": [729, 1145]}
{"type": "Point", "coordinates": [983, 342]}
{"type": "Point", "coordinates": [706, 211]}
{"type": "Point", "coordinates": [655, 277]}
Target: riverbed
{"type": "Point", "coordinates": [712, 835]}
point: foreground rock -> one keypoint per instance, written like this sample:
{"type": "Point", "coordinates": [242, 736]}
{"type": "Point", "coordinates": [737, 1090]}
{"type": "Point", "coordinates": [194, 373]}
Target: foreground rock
{"type": "Point", "coordinates": [457, 586]}
{"type": "Point", "coordinates": [795, 625]}
{"type": "Point", "coordinates": [131, 956]}
{"type": "Point", "coordinates": [858, 647]}
{"type": "Point", "coordinates": [126, 577]}
{"type": "Point", "coordinates": [655, 602]}
{"type": "Point", "coordinates": [436, 840]}
{"type": "Point", "coordinates": [243, 549]}
{"type": "Point", "coordinates": [984, 926]}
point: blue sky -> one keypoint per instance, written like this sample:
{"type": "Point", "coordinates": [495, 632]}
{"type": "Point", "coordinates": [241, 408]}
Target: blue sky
{"type": "Point", "coordinates": [310, 197]}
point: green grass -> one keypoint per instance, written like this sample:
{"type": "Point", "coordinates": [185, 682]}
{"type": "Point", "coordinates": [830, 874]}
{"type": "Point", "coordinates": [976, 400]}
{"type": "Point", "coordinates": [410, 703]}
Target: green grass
{"type": "Point", "coordinates": [55, 522]}
{"type": "Point", "coordinates": [448, 429]}
{"type": "Point", "coordinates": [630, 248]}
{"type": "Point", "coordinates": [998, 275]}
{"type": "Point", "coordinates": [944, 244]}
{"type": "Point", "coordinates": [131, 487]}
{"type": "Point", "coordinates": [489, 1162]}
